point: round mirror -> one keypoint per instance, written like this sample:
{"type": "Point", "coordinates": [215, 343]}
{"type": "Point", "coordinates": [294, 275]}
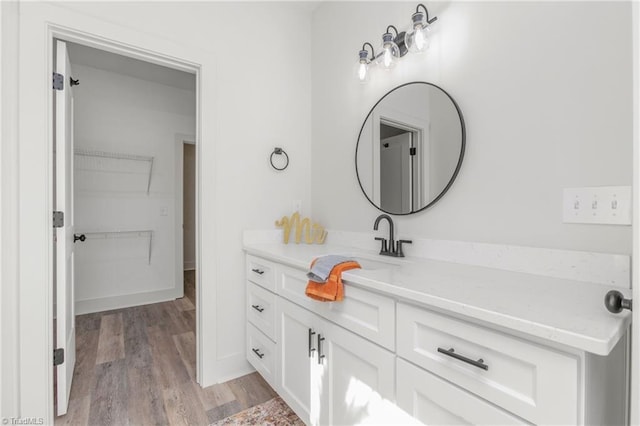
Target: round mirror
{"type": "Point", "coordinates": [410, 148]}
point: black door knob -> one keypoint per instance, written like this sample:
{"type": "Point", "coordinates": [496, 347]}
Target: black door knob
{"type": "Point", "coordinates": [615, 302]}
{"type": "Point", "coordinates": [80, 237]}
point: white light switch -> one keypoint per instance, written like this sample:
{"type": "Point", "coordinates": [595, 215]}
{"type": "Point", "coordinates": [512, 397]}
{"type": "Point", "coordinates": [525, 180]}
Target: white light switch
{"type": "Point", "coordinates": [164, 211]}
{"type": "Point", "coordinates": [599, 204]}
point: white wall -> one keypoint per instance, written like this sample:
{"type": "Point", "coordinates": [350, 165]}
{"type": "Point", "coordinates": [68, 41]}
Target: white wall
{"type": "Point", "coordinates": [252, 99]}
{"type": "Point", "coordinates": [117, 113]}
{"type": "Point", "coordinates": [545, 90]}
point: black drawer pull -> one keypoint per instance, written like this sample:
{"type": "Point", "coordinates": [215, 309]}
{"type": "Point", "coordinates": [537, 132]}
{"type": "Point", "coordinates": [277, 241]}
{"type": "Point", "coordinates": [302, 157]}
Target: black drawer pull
{"type": "Point", "coordinates": [311, 348]}
{"type": "Point", "coordinates": [257, 352]}
{"type": "Point", "coordinates": [258, 271]}
{"type": "Point", "coordinates": [450, 352]}
{"type": "Point", "coordinates": [257, 308]}
{"type": "Point", "coordinates": [320, 354]}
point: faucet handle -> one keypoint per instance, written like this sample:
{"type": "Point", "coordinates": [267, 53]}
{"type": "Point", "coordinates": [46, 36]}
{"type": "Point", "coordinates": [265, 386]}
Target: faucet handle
{"type": "Point", "coordinates": [383, 248]}
{"type": "Point", "coordinates": [399, 252]}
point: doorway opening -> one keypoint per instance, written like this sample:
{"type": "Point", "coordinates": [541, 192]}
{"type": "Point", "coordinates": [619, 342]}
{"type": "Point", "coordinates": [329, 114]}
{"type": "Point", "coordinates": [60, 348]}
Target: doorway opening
{"type": "Point", "coordinates": [119, 296]}
{"type": "Point", "coordinates": [185, 224]}
{"type": "Point", "coordinates": [401, 167]}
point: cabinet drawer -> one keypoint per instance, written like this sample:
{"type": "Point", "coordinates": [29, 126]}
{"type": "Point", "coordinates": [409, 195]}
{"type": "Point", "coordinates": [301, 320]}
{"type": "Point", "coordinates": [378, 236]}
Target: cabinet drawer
{"type": "Point", "coordinates": [536, 383]}
{"type": "Point", "coordinates": [261, 309]}
{"type": "Point", "coordinates": [261, 272]}
{"type": "Point", "coordinates": [261, 353]}
{"type": "Point", "coordinates": [432, 400]}
{"type": "Point", "coordinates": [363, 312]}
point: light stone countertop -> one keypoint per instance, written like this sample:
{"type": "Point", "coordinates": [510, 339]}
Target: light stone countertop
{"type": "Point", "coordinates": [562, 311]}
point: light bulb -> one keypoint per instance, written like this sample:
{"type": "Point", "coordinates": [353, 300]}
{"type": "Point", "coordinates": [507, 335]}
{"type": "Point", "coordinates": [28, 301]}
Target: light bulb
{"type": "Point", "coordinates": [389, 52]}
{"type": "Point", "coordinates": [362, 67]}
{"type": "Point", "coordinates": [415, 37]}
{"type": "Point", "coordinates": [419, 39]}
{"type": "Point", "coordinates": [362, 72]}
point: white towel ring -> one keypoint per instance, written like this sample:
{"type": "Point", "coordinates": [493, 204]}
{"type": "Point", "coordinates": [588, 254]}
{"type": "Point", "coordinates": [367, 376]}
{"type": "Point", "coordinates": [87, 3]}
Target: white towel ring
{"type": "Point", "coordinates": [279, 151]}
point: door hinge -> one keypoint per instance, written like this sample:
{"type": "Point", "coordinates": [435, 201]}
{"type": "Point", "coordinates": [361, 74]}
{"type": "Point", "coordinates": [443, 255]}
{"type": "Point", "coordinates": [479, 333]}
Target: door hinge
{"type": "Point", "coordinates": [58, 81]}
{"type": "Point", "coordinates": [58, 356]}
{"type": "Point", "coordinates": [58, 219]}
{"type": "Point", "coordinates": [412, 150]}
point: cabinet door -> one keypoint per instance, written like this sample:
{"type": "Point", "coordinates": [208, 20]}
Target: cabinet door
{"type": "Point", "coordinates": [357, 378]}
{"type": "Point", "coordinates": [297, 358]}
{"type": "Point", "coordinates": [434, 401]}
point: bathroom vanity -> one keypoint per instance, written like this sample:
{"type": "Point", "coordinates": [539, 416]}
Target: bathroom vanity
{"type": "Point", "coordinates": [419, 340]}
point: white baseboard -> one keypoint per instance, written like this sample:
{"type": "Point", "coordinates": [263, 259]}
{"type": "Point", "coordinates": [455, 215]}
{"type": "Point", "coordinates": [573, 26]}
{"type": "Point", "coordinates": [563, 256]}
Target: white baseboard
{"type": "Point", "coordinates": [189, 265]}
{"type": "Point", "coordinates": [125, 301]}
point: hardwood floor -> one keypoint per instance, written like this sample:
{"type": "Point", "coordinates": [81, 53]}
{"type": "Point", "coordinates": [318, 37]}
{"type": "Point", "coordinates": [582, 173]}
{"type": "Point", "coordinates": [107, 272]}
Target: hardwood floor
{"type": "Point", "coordinates": [137, 366]}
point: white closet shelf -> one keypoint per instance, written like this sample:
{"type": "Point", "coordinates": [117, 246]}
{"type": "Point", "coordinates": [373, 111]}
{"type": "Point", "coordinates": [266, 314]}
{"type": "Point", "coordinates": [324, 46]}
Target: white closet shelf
{"type": "Point", "coordinates": [134, 233]}
{"type": "Point", "coordinates": [117, 156]}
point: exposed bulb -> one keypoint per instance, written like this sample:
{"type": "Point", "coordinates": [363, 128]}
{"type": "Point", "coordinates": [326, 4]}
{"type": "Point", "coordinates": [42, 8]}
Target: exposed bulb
{"type": "Point", "coordinates": [416, 38]}
{"type": "Point", "coordinates": [419, 39]}
{"type": "Point", "coordinates": [388, 59]}
{"type": "Point", "coordinates": [362, 67]}
{"type": "Point", "coordinates": [390, 52]}
{"type": "Point", "coordinates": [362, 72]}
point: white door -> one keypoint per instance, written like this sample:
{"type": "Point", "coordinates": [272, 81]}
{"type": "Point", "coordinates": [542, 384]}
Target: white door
{"type": "Point", "coordinates": [395, 173]}
{"type": "Point", "coordinates": [431, 400]}
{"type": "Point", "coordinates": [635, 325]}
{"type": "Point", "coordinates": [357, 379]}
{"type": "Point", "coordinates": [297, 345]}
{"type": "Point", "coordinates": [65, 313]}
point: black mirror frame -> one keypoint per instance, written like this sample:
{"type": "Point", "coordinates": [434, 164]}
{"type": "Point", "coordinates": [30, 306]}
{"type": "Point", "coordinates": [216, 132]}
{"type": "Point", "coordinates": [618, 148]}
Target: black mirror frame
{"type": "Point", "coordinates": [456, 171]}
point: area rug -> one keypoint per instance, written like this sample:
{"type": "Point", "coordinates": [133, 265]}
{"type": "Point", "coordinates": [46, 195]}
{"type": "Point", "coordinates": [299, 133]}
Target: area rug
{"type": "Point", "coordinates": [271, 413]}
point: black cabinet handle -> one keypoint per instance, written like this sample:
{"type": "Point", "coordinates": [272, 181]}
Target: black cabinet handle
{"type": "Point", "coordinates": [450, 352]}
{"type": "Point", "coordinates": [311, 348]}
{"type": "Point", "coordinates": [320, 354]}
{"type": "Point", "coordinates": [80, 237]}
{"type": "Point", "coordinates": [257, 308]}
{"type": "Point", "coordinates": [257, 352]}
{"type": "Point", "coordinates": [258, 271]}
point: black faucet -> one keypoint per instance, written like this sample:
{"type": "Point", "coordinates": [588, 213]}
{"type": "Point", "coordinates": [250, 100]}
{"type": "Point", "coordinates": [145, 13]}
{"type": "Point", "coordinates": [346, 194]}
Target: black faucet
{"type": "Point", "coordinates": [390, 247]}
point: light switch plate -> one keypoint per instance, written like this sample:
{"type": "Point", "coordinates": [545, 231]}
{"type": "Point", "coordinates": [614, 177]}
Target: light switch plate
{"type": "Point", "coordinates": [610, 205]}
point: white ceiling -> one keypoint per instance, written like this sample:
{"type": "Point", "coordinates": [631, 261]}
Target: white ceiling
{"type": "Point", "coordinates": [95, 58]}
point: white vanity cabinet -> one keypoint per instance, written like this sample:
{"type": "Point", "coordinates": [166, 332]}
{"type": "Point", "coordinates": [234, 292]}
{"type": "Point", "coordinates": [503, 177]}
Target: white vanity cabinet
{"type": "Point", "coordinates": [529, 382]}
{"type": "Point", "coordinates": [329, 375]}
{"type": "Point", "coordinates": [261, 316]}
{"type": "Point", "coordinates": [379, 358]}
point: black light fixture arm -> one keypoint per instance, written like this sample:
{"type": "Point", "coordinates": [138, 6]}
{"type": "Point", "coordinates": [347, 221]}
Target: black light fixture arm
{"type": "Point", "coordinates": [394, 28]}
{"type": "Point", "coordinates": [426, 13]}
{"type": "Point", "coordinates": [373, 53]}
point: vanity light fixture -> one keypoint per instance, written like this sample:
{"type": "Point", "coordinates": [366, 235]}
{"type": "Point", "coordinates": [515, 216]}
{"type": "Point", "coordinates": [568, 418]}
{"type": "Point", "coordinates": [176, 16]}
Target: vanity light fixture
{"type": "Point", "coordinates": [415, 39]}
{"type": "Point", "coordinates": [364, 62]}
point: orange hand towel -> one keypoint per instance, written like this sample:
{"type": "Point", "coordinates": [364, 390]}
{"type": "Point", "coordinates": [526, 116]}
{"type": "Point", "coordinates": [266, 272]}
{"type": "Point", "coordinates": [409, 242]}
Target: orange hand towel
{"type": "Point", "coordinates": [332, 290]}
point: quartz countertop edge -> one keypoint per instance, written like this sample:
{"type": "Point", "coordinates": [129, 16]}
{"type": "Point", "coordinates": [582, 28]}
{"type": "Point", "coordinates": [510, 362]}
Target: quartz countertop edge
{"type": "Point", "coordinates": [566, 312]}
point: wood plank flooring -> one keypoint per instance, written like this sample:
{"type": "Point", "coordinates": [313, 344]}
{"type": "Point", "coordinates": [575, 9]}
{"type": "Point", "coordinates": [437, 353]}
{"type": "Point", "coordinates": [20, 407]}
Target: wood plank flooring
{"type": "Point", "coordinates": [137, 366]}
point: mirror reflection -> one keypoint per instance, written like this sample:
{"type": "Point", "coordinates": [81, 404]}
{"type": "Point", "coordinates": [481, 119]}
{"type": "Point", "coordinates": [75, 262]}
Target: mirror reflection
{"type": "Point", "coordinates": [410, 148]}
